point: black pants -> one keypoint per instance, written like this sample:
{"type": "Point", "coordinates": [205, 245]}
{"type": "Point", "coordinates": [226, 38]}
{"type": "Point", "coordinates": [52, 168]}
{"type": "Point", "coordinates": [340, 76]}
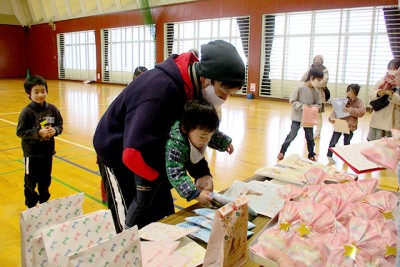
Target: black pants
{"type": "Point", "coordinates": [308, 132]}
{"type": "Point", "coordinates": [37, 173]}
{"type": "Point", "coordinates": [134, 200]}
{"type": "Point", "coordinates": [335, 140]}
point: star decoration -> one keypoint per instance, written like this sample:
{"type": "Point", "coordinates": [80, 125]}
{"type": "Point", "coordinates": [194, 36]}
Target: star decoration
{"type": "Point", "coordinates": [350, 251]}
{"type": "Point", "coordinates": [388, 215]}
{"type": "Point", "coordinates": [285, 226]}
{"type": "Point", "coordinates": [390, 251]}
{"type": "Point", "coordinates": [304, 230]}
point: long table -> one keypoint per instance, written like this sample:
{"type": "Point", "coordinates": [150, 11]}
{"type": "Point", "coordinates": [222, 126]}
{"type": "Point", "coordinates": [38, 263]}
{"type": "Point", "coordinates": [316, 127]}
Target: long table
{"type": "Point", "coordinates": [260, 221]}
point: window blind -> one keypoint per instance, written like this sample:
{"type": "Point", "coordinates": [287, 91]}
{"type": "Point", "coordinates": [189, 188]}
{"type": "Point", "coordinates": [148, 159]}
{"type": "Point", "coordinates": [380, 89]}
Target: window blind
{"type": "Point", "coordinates": [354, 43]}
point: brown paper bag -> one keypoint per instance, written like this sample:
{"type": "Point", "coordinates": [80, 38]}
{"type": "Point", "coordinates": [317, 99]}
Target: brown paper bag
{"type": "Point", "coordinates": [228, 241]}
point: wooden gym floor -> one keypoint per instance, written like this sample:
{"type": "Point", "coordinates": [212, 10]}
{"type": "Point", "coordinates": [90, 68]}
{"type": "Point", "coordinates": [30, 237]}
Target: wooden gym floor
{"type": "Point", "coordinates": [258, 128]}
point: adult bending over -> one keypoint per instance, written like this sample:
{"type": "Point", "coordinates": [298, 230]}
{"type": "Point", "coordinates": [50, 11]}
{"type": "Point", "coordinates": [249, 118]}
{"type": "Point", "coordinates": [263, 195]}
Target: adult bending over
{"type": "Point", "coordinates": [131, 136]}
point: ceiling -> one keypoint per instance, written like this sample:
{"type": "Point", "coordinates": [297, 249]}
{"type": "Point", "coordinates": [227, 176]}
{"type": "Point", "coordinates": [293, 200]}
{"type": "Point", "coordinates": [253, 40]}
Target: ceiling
{"type": "Point", "coordinates": [31, 12]}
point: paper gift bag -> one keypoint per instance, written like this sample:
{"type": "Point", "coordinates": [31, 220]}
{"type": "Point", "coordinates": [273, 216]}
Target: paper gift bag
{"type": "Point", "coordinates": [56, 243]}
{"type": "Point", "coordinates": [121, 250]}
{"type": "Point", "coordinates": [227, 245]}
{"type": "Point", "coordinates": [310, 116]}
{"type": "Point", "coordinates": [44, 215]}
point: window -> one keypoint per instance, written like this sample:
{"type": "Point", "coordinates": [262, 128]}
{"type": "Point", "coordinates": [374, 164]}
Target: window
{"type": "Point", "coordinates": [77, 55]}
{"type": "Point", "coordinates": [182, 36]}
{"type": "Point", "coordinates": [354, 43]}
{"type": "Point", "coordinates": [124, 49]}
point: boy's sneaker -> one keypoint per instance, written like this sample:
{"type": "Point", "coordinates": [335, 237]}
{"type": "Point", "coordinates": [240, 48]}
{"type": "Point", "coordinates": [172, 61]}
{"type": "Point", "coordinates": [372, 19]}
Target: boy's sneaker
{"type": "Point", "coordinates": [281, 156]}
{"type": "Point", "coordinates": [331, 160]}
{"type": "Point", "coordinates": [312, 158]}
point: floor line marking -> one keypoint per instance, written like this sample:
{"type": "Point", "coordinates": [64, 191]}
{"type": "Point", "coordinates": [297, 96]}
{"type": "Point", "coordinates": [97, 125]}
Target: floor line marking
{"type": "Point", "coordinates": [58, 138]}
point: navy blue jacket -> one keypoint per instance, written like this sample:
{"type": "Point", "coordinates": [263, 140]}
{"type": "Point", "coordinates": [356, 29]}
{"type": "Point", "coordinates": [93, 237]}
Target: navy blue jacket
{"type": "Point", "coordinates": [135, 127]}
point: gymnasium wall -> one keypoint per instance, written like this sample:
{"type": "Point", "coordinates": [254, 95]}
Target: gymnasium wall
{"type": "Point", "coordinates": [12, 51]}
{"type": "Point", "coordinates": [36, 49]}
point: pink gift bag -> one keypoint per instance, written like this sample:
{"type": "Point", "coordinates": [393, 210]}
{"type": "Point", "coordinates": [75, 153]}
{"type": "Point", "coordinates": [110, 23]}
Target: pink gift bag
{"type": "Point", "coordinates": [227, 245]}
{"type": "Point", "coordinates": [310, 116]}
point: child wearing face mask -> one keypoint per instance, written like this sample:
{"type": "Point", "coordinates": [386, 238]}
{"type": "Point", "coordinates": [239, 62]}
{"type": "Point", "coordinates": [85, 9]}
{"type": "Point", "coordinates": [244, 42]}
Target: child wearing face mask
{"type": "Point", "coordinates": [318, 62]}
{"type": "Point", "coordinates": [356, 108]}
{"type": "Point", "coordinates": [185, 148]}
{"type": "Point", "coordinates": [305, 94]}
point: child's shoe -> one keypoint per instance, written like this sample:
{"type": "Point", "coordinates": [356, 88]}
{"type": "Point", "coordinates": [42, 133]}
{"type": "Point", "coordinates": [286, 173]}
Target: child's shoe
{"type": "Point", "coordinates": [312, 158]}
{"type": "Point", "coordinates": [281, 156]}
{"type": "Point", "coordinates": [331, 160]}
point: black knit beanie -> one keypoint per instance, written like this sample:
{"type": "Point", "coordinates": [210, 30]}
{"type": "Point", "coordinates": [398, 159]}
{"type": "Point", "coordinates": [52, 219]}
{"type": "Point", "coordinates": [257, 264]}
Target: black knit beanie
{"type": "Point", "coordinates": [220, 61]}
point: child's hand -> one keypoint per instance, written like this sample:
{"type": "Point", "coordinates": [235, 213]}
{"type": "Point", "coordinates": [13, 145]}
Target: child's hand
{"type": "Point", "coordinates": [389, 93]}
{"type": "Point", "coordinates": [43, 133]}
{"type": "Point", "coordinates": [332, 120]}
{"type": "Point", "coordinates": [204, 197]}
{"type": "Point", "coordinates": [50, 131]}
{"type": "Point", "coordinates": [229, 149]}
{"type": "Point", "coordinates": [346, 109]}
{"type": "Point", "coordinates": [205, 183]}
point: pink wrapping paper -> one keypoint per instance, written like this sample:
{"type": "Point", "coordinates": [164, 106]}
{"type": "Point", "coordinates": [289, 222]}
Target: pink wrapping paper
{"type": "Point", "coordinates": [346, 191]}
{"type": "Point", "coordinates": [334, 249]}
{"type": "Point", "coordinates": [290, 192]}
{"type": "Point", "coordinates": [289, 213]}
{"type": "Point", "coordinates": [310, 116]}
{"type": "Point", "coordinates": [345, 228]}
{"type": "Point", "coordinates": [385, 153]}
{"type": "Point", "coordinates": [366, 212]}
{"type": "Point", "coordinates": [388, 232]}
{"type": "Point", "coordinates": [341, 209]}
{"type": "Point", "coordinates": [308, 250]}
{"type": "Point", "coordinates": [366, 238]}
{"type": "Point", "coordinates": [385, 201]}
{"type": "Point", "coordinates": [277, 236]}
{"type": "Point", "coordinates": [316, 217]}
{"type": "Point", "coordinates": [315, 176]}
{"type": "Point", "coordinates": [367, 186]}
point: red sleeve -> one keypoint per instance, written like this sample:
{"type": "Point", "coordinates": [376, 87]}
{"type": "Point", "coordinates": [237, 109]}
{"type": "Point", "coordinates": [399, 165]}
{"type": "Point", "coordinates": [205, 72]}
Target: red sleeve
{"type": "Point", "coordinates": [135, 162]}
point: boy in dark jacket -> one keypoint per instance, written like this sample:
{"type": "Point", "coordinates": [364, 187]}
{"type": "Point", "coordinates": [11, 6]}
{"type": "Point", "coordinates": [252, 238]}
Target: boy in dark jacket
{"type": "Point", "coordinates": [38, 123]}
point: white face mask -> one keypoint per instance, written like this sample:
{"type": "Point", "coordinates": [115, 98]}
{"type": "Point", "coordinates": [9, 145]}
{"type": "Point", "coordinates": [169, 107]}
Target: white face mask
{"type": "Point", "coordinates": [210, 96]}
{"type": "Point", "coordinates": [315, 83]}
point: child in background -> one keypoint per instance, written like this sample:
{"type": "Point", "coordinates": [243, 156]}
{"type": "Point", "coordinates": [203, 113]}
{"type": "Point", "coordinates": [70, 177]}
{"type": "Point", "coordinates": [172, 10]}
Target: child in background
{"type": "Point", "coordinates": [305, 94]}
{"type": "Point", "coordinates": [356, 108]}
{"type": "Point", "coordinates": [185, 148]}
{"type": "Point", "coordinates": [139, 70]}
{"type": "Point", "coordinates": [38, 123]}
